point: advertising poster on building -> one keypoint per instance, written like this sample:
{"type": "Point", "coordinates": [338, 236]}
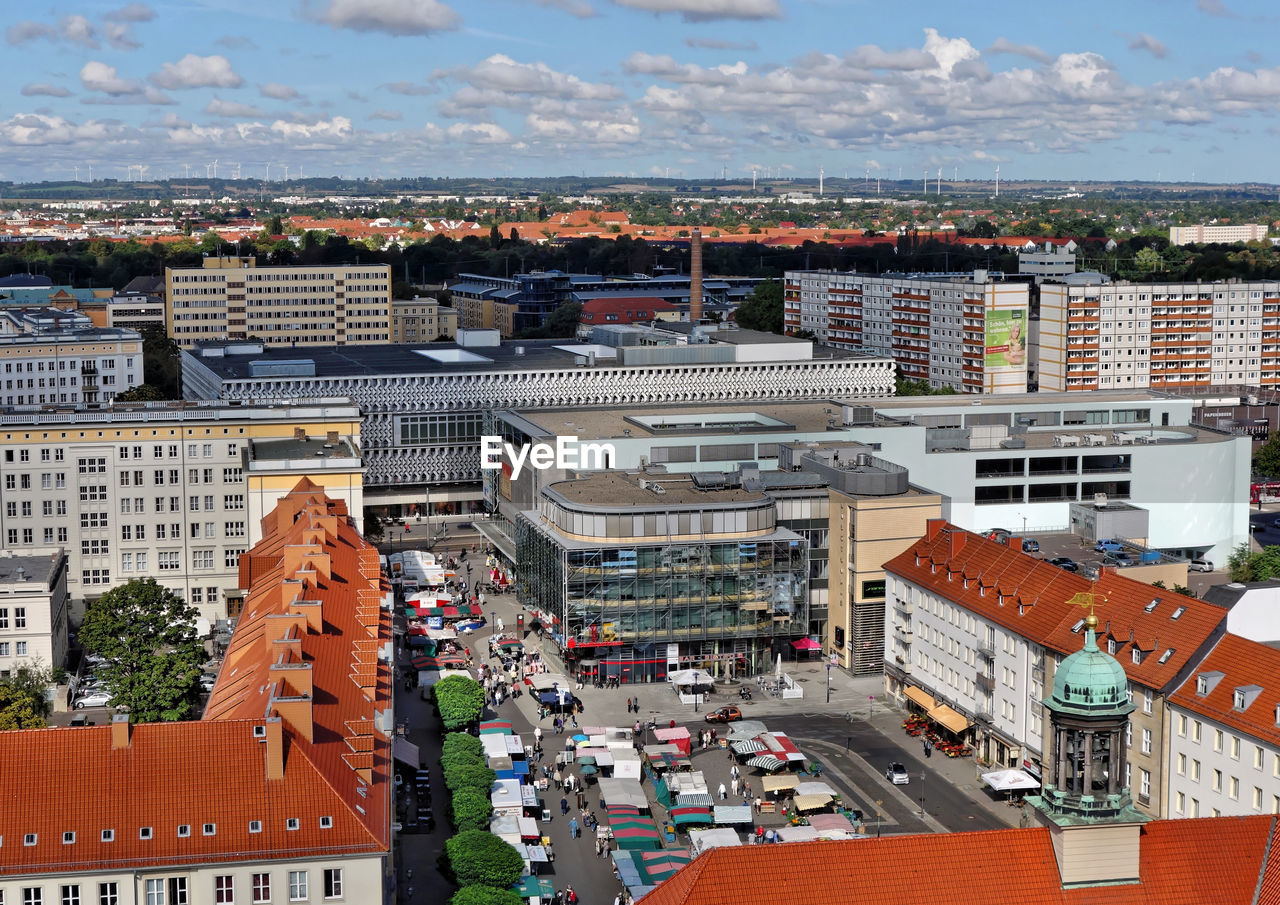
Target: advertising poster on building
{"type": "Point", "coordinates": [1006, 345]}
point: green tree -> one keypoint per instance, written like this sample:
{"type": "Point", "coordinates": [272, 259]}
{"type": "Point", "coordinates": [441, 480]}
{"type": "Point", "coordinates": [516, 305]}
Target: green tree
{"type": "Point", "coordinates": [161, 362]}
{"type": "Point", "coordinates": [461, 746]}
{"type": "Point", "coordinates": [147, 635]}
{"type": "Point", "coordinates": [23, 703]}
{"type": "Point", "coordinates": [1246, 565]}
{"type": "Point", "coordinates": [471, 809]}
{"type": "Point", "coordinates": [143, 392]}
{"type": "Point", "coordinates": [462, 775]}
{"type": "Point", "coordinates": [485, 895]}
{"type": "Point", "coordinates": [479, 858]}
{"type": "Point", "coordinates": [762, 310]}
{"type": "Point", "coordinates": [1266, 461]}
{"type": "Point", "coordinates": [275, 227]}
{"type": "Point", "coordinates": [903, 386]}
{"type": "Point", "coordinates": [1148, 259]}
{"type": "Point", "coordinates": [460, 701]}
{"type": "Point", "coordinates": [1183, 590]}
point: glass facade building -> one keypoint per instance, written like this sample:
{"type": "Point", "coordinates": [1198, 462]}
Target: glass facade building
{"type": "Point", "coordinates": [652, 580]}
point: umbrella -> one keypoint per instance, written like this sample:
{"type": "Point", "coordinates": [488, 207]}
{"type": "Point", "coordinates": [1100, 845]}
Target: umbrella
{"type": "Point", "coordinates": [1010, 780]}
{"type": "Point", "coordinates": [806, 644]}
{"type": "Point", "coordinates": [581, 738]}
{"type": "Point", "coordinates": [587, 769]}
{"type": "Point", "coordinates": [586, 759]}
{"type": "Point", "coordinates": [777, 673]}
{"type": "Point", "coordinates": [766, 762]}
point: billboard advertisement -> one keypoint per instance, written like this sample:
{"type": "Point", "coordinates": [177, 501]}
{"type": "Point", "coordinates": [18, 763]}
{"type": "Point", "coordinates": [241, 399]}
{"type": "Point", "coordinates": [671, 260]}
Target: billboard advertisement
{"type": "Point", "coordinates": [1006, 339]}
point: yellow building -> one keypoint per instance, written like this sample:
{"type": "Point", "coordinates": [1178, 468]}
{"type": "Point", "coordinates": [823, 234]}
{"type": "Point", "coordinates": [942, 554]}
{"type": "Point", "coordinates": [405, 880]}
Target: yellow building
{"type": "Point", "coordinates": [234, 298]}
{"type": "Point", "coordinates": [422, 321]}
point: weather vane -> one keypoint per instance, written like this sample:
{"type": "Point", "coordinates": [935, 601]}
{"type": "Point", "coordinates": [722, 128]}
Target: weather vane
{"type": "Point", "coordinates": [1089, 599]}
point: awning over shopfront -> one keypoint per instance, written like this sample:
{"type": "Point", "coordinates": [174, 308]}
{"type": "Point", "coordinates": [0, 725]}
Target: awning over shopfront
{"type": "Point", "coordinates": [747, 746]}
{"type": "Point", "coordinates": [766, 762]}
{"type": "Point", "coordinates": [920, 696]}
{"type": "Point", "coordinates": [779, 783]}
{"type": "Point", "coordinates": [949, 719]}
{"type": "Point", "coordinates": [405, 751]}
{"type": "Point", "coordinates": [812, 802]}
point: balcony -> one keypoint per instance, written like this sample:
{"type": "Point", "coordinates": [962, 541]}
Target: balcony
{"type": "Point", "coordinates": [904, 606]}
{"type": "Point", "coordinates": [904, 633]}
{"type": "Point", "coordinates": [985, 682]}
{"type": "Point", "coordinates": [987, 651]}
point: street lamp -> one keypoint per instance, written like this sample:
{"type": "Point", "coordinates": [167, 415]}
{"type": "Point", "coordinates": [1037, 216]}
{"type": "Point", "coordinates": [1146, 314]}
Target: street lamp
{"type": "Point", "coordinates": [922, 775]}
{"type": "Point", "coordinates": [493, 623]}
{"type": "Point", "coordinates": [828, 681]}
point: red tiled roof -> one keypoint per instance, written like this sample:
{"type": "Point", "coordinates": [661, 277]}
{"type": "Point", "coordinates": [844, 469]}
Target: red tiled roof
{"type": "Point", "coordinates": [1014, 865]}
{"type": "Point", "coordinates": [629, 308]}
{"type": "Point", "coordinates": [216, 770]}
{"type": "Point", "coordinates": [1242, 663]}
{"type": "Point", "coordinates": [1028, 596]}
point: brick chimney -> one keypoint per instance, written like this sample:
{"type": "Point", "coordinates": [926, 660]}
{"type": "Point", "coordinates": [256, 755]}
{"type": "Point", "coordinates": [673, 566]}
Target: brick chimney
{"type": "Point", "coordinates": [120, 731]}
{"type": "Point", "coordinates": [695, 278]}
{"type": "Point", "coordinates": [299, 433]}
{"type": "Point", "coordinates": [275, 748]}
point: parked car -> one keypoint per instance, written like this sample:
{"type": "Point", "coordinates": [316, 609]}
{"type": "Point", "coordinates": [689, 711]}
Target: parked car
{"type": "Point", "coordinates": [724, 715]}
{"type": "Point", "coordinates": [1121, 558]}
{"type": "Point", "coordinates": [1065, 562]}
{"type": "Point", "coordinates": [1030, 546]}
{"type": "Point", "coordinates": [1200, 565]}
{"type": "Point", "coordinates": [1108, 546]}
{"type": "Point", "coordinates": [897, 774]}
{"type": "Point", "coordinates": [92, 699]}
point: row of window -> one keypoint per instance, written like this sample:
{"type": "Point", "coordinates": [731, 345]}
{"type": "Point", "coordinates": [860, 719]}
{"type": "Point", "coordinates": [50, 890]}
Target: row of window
{"type": "Point", "coordinates": [176, 890]}
{"type": "Point", "coordinates": [172, 450]}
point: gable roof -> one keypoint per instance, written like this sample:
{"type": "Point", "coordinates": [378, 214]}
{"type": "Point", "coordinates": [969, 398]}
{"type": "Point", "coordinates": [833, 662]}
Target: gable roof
{"type": "Point", "coordinates": [1243, 663]}
{"type": "Point", "coordinates": [257, 755]}
{"type": "Point", "coordinates": [627, 307]}
{"type": "Point", "coordinates": [1015, 865]}
{"type": "Point", "coordinates": [1029, 597]}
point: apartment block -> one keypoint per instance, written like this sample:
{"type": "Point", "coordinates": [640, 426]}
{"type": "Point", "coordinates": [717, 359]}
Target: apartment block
{"type": "Point", "coordinates": [1226, 233]}
{"type": "Point", "coordinates": [54, 357]}
{"type": "Point", "coordinates": [235, 299]}
{"type": "Point", "coordinates": [1127, 336]}
{"type": "Point", "coordinates": [422, 321]}
{"type": "Point", "coordinates": [165, 490]}
{"type": "Point", "coordinates": [968, 332]}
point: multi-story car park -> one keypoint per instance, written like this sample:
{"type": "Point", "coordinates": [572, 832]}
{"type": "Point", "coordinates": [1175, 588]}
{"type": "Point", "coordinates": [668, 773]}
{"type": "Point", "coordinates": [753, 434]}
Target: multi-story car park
{"type": "Point", "coordinates": [965, 331]}
{"type": "Point", "coordinates": [234, 298]}
{"type": "Point", "coordinates": [1171, 336]}
{"type": "Point", "coordinates": [170, 491]}
{"type": "Point", "coordinates": [424, 407]}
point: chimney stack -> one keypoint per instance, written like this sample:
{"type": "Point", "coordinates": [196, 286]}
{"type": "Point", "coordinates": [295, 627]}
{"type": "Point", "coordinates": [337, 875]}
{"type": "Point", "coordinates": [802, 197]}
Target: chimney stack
{"type": "Point", "coordinates": [299, 433]}
{"type": "Point", "coordinates": [119, 731]}
{"type": "Point", "coordinates": [695, 278]}
{"type": "Point", "coordinates": [274, 736]}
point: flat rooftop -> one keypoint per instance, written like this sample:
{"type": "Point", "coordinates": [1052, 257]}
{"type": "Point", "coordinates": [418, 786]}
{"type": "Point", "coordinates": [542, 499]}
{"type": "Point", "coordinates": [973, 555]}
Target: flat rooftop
{"type": "Point", "coordinates": [1028, 401]}
{"type": "Point", "coordinates": [294, 448]}
{"type": "Point", "coordinates": [401, 359]}
{"type": "Point", "coordinates": [782, 418]}
{"type": "Point", "coordinates": [617, 490]}
{"type": "Point", "coordinates": [37, 567]}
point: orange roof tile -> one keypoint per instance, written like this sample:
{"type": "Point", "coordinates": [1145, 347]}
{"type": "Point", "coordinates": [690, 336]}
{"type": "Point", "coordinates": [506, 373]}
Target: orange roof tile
{"type": "Point", "coordinates": [1243, 663]}
{"type": "Point", "coordinates": [1015, 865]}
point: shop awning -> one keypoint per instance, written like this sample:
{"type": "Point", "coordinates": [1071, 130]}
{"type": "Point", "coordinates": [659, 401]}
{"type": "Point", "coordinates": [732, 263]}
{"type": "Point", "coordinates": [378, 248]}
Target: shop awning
{"type": "Point", "coordinates": [812, 802]}
{"type": "Point", "coordinates": [732, 813]}
{"type": "Point", "coordinates": [405, 751]}
{"type": "Point", "coordinates": [949, 719]}
{"type": "Point", "coordinates": [920, 696]}
{"type": "Point", "coordinates": [779, 783]}
{"type": "Point", "coordinates": [1010, 780]}
{"type": "Point", "coordinates": [766, 762]}
{"type": "Point", "coordinates": [747, 746]}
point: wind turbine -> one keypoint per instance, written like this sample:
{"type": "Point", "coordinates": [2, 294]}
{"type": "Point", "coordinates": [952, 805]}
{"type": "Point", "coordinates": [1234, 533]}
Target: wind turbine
{"type": "Point", "coordinates": [77, 169]}
{"type": "Point", "coordinates": [997, 180]}
{"type": "Point", "coordinates": [939, 180]}
{"type": "Point", "coordinates": [237, 171]}
{"type": "Point", "coordinates": [186, 169]}
{"type": "Point", "coordinates": [268, 179]}
{"type": "Point", "coordinates": [215, 168]}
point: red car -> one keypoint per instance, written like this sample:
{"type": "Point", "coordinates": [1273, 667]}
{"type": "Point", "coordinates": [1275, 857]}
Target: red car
{"type": "Point", "coordinates": [724, 715]}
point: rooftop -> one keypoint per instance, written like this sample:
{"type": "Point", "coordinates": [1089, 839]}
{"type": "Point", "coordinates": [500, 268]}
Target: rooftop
{"type": "Point", "coordinates": [1243, 665]}
{"type": "Point", "coordinates": [294, 449]}
{"type": "Point", "coordinates": [34, 568]}
{"type": "Point", "coordinates": [618, 490]}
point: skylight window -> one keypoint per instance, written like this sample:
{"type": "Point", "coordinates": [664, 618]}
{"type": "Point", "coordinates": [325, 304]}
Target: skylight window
{"type": "Point", "coordinates": [326, 823]}
{"type": "Point", "coordinates": [1075, 628]}
{"type": "Point", "coordinates": [144, 832]}
{"type": "Point", "coordinates": [255, 826]}
{"type": "Point", "coordinates": [184, 829]}
{"type": "Point", "coordinates": [292, 823]}
{"type": "Point", "coordinates": [1178, 612]}
{"type": "Point", "coordinates": [69, 838]}
{"type": "Point", "coordinates": [209, 829]}
{"type": "Point", "coordinates": [108, 836]}
{"type": "Point", "coordinates": [1150, 607]}
{"type": "Point", "coordinates": [29, 839]}
{"type": "Point", "coordinates": [1164, 658]}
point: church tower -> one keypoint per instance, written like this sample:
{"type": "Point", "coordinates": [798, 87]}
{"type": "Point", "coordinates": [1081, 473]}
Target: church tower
{"type": "Point", "coordinates": [1085, 799]}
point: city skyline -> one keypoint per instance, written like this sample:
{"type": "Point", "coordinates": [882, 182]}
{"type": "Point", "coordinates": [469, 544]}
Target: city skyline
{"type": "Point", "coordinates": [693, 89]}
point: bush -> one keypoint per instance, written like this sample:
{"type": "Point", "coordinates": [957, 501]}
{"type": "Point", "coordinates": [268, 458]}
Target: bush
{"type": "Point", "coordinates": [469, 776]}
{"type": "Point", "coordinates": [477, 857]}
{"type": "Point", "coordinates": [460, 700]}
{"type": "Point", "coordinates": [471, 809]}
{"type": "Point", "coordinates": [485, 895]}
{"type": "Point", "coordinates": [461, 746]}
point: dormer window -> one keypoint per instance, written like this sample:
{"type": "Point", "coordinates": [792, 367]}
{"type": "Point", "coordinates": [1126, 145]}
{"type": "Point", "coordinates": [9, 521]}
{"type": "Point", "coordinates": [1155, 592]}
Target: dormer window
{"type": "Point", "coordinates": [1237, 700]}
{"type": "Point", "coordinates": [1202, 685]}
{"type": "Point", "coordinates": [108, 836]}
{"type": "Point", "coordinates": [184, 830]}
{"type": "Point", "coordinates": [69, 838]}
{"type": "Point", "coordinates": [144, 832]}
{"type": "Point", "coordinates": [255, 826]}
{"type": "Point", "coordinates": [1111, 646]}
{"type": "Point", "coordinates": [1137, 655]}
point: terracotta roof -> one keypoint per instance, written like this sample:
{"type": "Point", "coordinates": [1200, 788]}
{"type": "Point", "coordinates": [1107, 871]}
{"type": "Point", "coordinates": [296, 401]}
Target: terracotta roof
{"type": "Point", "coordinates": [1243, 663]}
{"type": "Point", "coordinates": [1014, 865]}
{"type": "Point", "coordinates": [1029, 597]}
{"type": "Point", "coordinates": [297, 723]}
{"type": "Point", "coordinates": [629, 308]}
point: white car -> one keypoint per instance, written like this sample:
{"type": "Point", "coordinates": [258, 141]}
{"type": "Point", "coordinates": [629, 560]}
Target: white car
{"type": "Point", "coordinates": [1200, 565]}
{"type": "Point", "coordinates": [92, 699]}
{"type": "Point", "coordinates": [897, 774]}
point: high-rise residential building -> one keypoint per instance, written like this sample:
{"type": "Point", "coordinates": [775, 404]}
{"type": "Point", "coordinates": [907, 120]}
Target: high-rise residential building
{"type": "Point", "coordinates": [281, 792]}
{"type": "Point", "coordinates": [1224, 233]}
{"type": "Point", "coordinates": [170, 491]}
{"type": "Point", "coordinates": [967, 332]}
{"type": "Point", "coordinates": [53, 357]}
{"type": "Point", "coordinates": [235, 299]}
{"type": "Point", "coordinates": [1127, 336]}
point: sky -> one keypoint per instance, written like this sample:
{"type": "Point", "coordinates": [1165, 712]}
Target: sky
{"type": "Point", "coordinates": [1169, 90]}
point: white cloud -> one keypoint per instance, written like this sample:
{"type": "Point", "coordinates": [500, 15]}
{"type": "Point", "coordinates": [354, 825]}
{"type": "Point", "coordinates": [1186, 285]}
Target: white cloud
{"type": "Point", "coordinates": [119, 35]}
{"type": "Point", "coordinates": [666, 68]}
{"type": "Point", "coordinates": [78, 30]}
{"type": "Point", "coordinates": [1030, 51]}
{"type": "Point", "coordinates": [197, 72]}
{"type": "Point", "coordinates": [949, 52]}
{"type": "Point", "coordinates": [718, 44]}
{"type": "Point", "coordinates": [337, 129]}
{"type": "Point", "coordinates": [236, 42]}
{"type": "Point", "coordinates": [1153, 45]}
{"type": "Point", "coordinates": [389, 115]}
{"type": "Point", "coordinates": [44, 89]}
{"type": "Point", "coordinates": [231, 109]}
{"type": "Point", "coordinates": [277, 91]}
{"type": "Point", "coordinates": [33, 129]}
{"type": "Point", "coordinates": [97, 76]}
{"type": "Point", "coordinates": [72, 29]}
{"type": "Point", "coordinates": [501, 74]}
{"type": "Point", "coordinates": [393, 17]}
{"type": "Point", "coordinates": [26, 30]}
{"type": "Point", "coordinates": [478, 133]}
{"type": "Point", "coordinates": [132, 12]}
{"type": "Point", "coordinates": [1215, 8]}
{"type": "Point", "coordinates": [708, 10]}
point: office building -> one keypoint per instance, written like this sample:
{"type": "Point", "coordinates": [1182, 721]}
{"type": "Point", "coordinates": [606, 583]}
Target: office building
{"type": "Point", "coordinates": [33, 608]}
{"type": "Point", "coordinates": [1224, 734]}
{"type": "Point", "coordinates": [1053, 262]}
{"type": "Point", "coordinates": [281, 792]}
{"type": "Point", "coordinates": [968, 332]}
{"type": "Point", "coordinates": [424, 407]}
{"type": "Point", "coordinates": [417, 320]}
{"type": "Point", "coordinates": [54, 357]}
{"type": "Point", "coordinates": [170, 491]}
{"type": "Point", "coordinates": [1169, 336]}
{"type": "Point", "coordinates": [639, 575]}
{"type": "Point", "coordinates": [1224, 233]}
{"type": "Point", "coordinates": [975, 630]}
{"type": "Point", "coordinates": [235, 299]}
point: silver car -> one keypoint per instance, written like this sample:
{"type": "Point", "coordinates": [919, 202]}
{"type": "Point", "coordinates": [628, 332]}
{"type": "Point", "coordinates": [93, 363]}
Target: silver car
{"type": "Point", "coordinates": [92, 699]}
{"type": "Point", "coordinates": [897, 774]}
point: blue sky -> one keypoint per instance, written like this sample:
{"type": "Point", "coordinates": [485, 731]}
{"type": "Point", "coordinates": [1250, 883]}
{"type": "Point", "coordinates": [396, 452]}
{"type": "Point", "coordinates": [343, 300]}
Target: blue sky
{"type": "Point", "coordinates": [1126, 89]}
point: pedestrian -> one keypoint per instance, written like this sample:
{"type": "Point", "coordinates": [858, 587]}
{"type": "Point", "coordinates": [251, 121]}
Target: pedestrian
{"type": "Point", "coordinates": [928, 748]}
{"type": "Point", "coordinates": [734, 771]}
{"type": "Point", "coordinates": [537, 735]}
{"type": "Point", "coordinates": [758, 803]}
{"type": "Point", "coordinates": [582, 804]}
{"type": "Point", "coordinates": [573, 827]}
{"type": "Point", "coordinates": [564, 806]}
{"type": "Point", "coordinates": [722, 792]}
{"type": "Point", "coordinates": [574, 719]}
{"type": "Point", "coordinates": [733, 784]}
{"type": "Point", "coordinates": [747, 791]}
{"type": "Point", "coordinates": [570, 896]}
{"type": "Point", "coordinates": [628, 705]}
{"type": "Point", "coordinates": [559, 778]}
{"type": "Point", "coordinates": [759, 833]}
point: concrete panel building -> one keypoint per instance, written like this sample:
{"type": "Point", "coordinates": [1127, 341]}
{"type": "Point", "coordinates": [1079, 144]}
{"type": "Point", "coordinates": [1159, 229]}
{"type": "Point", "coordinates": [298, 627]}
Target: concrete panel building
{"type": "Point", "coordinates": [1225, 233]}
{"type": "Point", "coordinates": [968, 332]}
{"type": "Point", "coordinates": [53, 357]}
{"type": "Point", "coordinates": [235, 299]}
